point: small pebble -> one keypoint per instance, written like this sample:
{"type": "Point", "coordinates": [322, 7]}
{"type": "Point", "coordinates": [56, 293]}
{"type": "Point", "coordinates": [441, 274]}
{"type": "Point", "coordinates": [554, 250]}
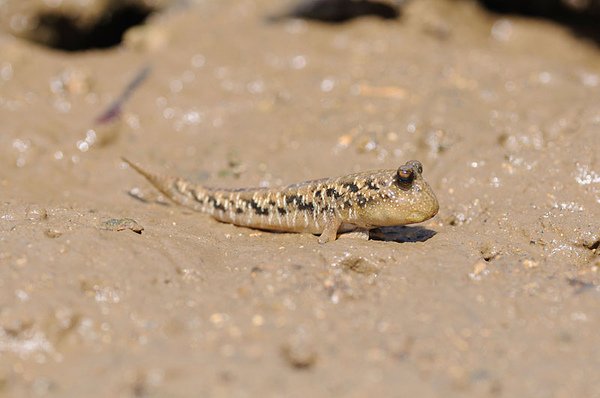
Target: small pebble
{"type": "Point", "coordinates": [345, 140]}
{"type": "Point", "coordinates": [299, 357]}
{"type": "Point", "coordinates": [479, 268]}
{"type": "Point", "coordinates": [36, 213]}
{"type": "Point", "coordinates": [299, 352]}
{"type": "Point", "coordinates": [359, 265]}
{"type": "Point", "coordinates": [121, 224]}
{"type": "Point", "coordinates": [52, 233]}
{"type": "Point", "coordinates": [530, 263]}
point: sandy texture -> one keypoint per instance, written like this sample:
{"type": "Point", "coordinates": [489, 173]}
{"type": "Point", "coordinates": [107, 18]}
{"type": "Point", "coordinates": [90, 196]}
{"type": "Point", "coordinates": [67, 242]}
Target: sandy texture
{"type": "Point", "coordinates": [105, 295]}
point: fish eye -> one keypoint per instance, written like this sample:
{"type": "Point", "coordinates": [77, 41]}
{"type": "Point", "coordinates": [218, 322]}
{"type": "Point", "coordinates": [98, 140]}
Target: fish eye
{"type": "Point", "coordinates": [416, 165]}
{"type": "Point", "coordinates": [406, 175]}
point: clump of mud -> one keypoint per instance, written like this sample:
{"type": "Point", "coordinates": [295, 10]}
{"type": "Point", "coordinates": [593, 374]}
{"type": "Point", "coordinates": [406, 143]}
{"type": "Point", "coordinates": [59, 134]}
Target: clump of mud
{"type": "Point", "coordinates": [74, 25]}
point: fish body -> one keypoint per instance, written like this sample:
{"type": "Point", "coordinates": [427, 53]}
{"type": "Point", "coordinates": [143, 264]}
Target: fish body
{"type": "Point", "coordinates": [327, 206]}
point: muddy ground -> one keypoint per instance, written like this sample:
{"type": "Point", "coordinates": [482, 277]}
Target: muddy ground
{"type": "Point", "coordinates": [498, 295]}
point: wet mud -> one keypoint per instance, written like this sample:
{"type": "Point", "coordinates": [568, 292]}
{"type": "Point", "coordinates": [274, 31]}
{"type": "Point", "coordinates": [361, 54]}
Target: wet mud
{"type": "Point", "coordinates": [108, 289]}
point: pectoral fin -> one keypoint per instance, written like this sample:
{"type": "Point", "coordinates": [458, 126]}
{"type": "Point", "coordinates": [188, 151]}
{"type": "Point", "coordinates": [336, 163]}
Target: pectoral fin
{"type": "Point", "coordinates": [330, 231]}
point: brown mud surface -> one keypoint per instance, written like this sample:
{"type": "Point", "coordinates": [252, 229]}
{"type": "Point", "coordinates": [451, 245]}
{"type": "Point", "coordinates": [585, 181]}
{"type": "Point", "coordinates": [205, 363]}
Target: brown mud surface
{"type": "Point", "coordinates": [102, 294]}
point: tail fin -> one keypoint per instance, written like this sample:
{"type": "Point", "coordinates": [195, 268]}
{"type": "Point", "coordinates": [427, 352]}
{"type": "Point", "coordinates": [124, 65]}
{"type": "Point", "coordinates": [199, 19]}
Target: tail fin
{"type": "Point", "coordinates": [174, 188]}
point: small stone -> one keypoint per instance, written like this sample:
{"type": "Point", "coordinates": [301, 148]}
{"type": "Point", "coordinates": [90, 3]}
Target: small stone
{"type": "Point", "coordinates": [530, 263]}
{"type": "Point", "coordinates": [52, 233]}
{"type": "Point", "coordinates": [299, 356]}
{"type": "Point", "coordinates": [121, 224]}
{"type": "Point", "coordinates": [489, 251]}
{"type": "Point", "coordinates": [366, 144]}
{"type": "Point", "coordinates": [71, 82]}
{"type": "Point", "coordinates": [359, 265]}
{"type": "Point", "coordinates": [36, 213]}
{"type": "Point", "coordinates": [345, 140]}
{"type": "Point", "coordinates": [299, 351]}
{"type": "Point", "coordinates": [479, 269]}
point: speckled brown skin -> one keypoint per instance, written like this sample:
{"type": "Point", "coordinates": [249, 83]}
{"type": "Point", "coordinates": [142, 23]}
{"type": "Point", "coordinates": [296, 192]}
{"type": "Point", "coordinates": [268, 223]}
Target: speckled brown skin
{"type": "Point", "coordinates": [357, 201]}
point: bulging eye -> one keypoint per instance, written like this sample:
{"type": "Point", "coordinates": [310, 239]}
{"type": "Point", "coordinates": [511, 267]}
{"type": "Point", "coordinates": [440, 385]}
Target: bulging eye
{"type": "Point", "coordinates": [406, 175]}
{"type": "Point", "coordinates": [416, 165]}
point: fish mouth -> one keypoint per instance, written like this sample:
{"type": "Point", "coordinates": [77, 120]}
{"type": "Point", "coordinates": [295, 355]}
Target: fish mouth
{"type": "Point", "coordinates": [420, 216]}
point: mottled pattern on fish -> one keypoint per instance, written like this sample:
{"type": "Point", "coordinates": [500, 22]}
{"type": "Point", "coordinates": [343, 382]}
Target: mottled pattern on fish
{"type": "Point", "coordinates": [356, 201]}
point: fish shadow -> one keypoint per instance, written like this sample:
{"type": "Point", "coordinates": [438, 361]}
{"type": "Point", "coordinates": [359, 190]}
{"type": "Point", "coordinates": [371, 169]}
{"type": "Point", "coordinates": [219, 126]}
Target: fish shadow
{"type": "Point", "coordinates": [338, 11]}
{"type": "Point", "coordinates": [402, 234]}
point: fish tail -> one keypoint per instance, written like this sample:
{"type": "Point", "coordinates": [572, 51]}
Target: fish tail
{"type": "Point", "coordinates": [176, 189]}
